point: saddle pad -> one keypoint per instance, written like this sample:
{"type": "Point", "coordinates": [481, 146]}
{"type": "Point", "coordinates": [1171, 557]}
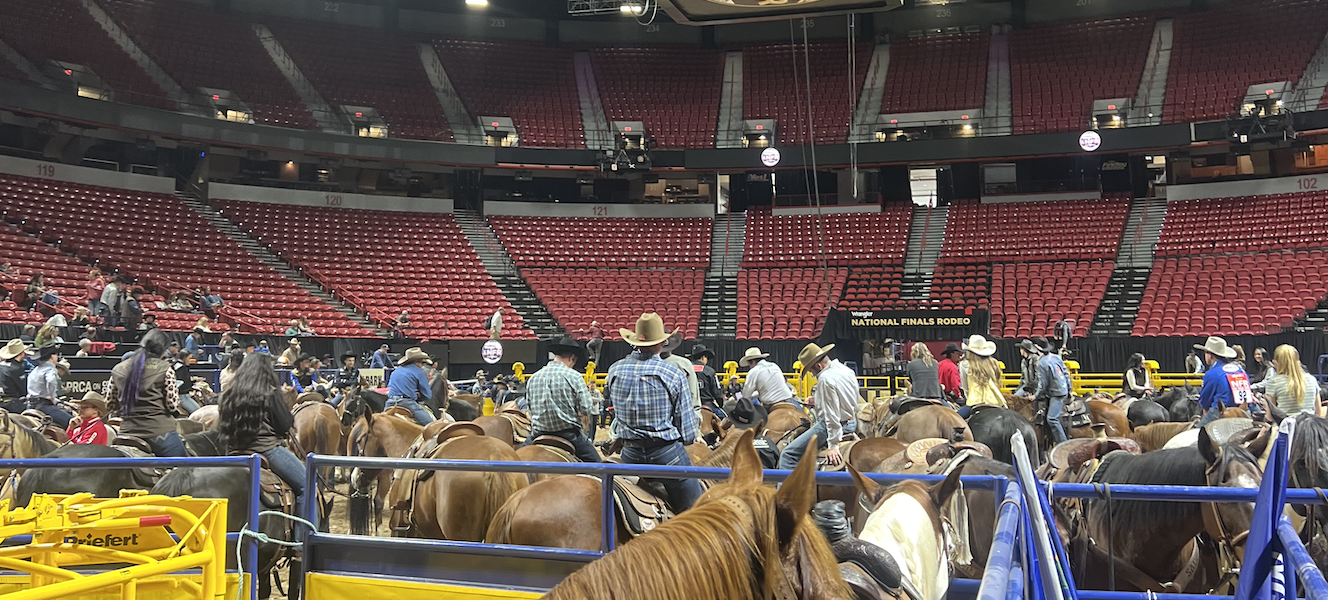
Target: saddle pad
{"type": "Point", "coordinates": [641, 511]}
{"type": "Point", "coordinates": [276, 494]}
{"type": "Point", "coordinates": [520, 425]}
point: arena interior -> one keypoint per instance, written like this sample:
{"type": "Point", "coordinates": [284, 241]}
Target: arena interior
{"type": "Point", "coordinates": [984, 245]}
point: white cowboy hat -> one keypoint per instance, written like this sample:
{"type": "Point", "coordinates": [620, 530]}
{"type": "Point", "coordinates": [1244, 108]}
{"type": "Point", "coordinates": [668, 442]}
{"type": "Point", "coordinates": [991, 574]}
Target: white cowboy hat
{"type": "Point", "coordinates": [14, 348]}
{"type": "Point", "coordinates": [980, 346]}
{"type": "Point", "coordinates": [412, 355]}
{"type": "Point", "coordinates": [752, 354]}
{"type": "Point", "coordinates": [649, 331]}
{"type": "Point", "coordinates": [1214, 344]}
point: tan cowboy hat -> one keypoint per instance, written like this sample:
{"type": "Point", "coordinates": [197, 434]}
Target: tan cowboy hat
{"type": "Point", "coordinates": [917, 451]}
{"type": "Point", "coordinates": [812, 354]}
{"type": "Point", "coordinates": [649, 331]}
{"type": "Point", "coordinates": [752, 354]}
{"type": "Point", "coordinates": [14, 348]}
{"type": "Point", "coordinates": [412, 355]}
{"type": "Point", "coordinates": [96, 401]}
{"type": "Point", "coordinates": [980, 346]}
{"type": "Point", "coordinates": [1217, 346]}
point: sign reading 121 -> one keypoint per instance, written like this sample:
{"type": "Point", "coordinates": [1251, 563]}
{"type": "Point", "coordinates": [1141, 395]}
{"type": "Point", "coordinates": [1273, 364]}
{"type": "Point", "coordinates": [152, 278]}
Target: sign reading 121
{"type": "Point", "coordinates": [770, 157]}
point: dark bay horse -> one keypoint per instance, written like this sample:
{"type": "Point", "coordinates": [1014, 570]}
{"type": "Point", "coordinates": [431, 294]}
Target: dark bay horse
{"type": "Point", "coordinates": [1146, 412]}
{"type": "Point", "coordinates": [994, 426]}
{"type": "Point", "coordinates": [742, 539]}
{"type": "Point", "coordinates": [1309, 469]}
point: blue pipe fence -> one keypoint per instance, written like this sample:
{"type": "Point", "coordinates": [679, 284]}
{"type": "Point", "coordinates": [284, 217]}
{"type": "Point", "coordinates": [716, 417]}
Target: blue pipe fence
{"type": "Point", "coordinates": [252, 462]}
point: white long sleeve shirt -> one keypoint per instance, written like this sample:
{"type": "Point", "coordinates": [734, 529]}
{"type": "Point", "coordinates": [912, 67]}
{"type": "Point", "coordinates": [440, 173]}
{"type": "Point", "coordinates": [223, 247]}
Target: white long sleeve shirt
{"type": "Point", "coordinates": [766, 382]}
{"type": "Point", "coordinates": [837, 398]}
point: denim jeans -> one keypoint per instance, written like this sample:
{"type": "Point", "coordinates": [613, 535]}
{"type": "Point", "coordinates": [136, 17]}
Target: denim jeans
{"type": "Point", "coordinates": [337, 398]}
{"type": "Point", "coordinates": [585, 449]}
{"type": "Point", "coordinates": [1055, 406]}
{"type": "Point", "coordinates": [188, 404]}
{"type": "Point", "coordinates": [95, 307]}
{"type": "Point", "coordinates": [59, 417]}
{"type": "Point", "coordinates": [683, 493]}
{"type": "Point", "coordinates": [421, 414]}
{"type": "Point", "coordinates": [793, 452]}
{"type": "Point", "coordinates": [168, 445]}
{"type": "Point", "coordinates": [1210, 415]}
{"type": "Point", "coordinates": [965, 410]}
{"type": "Point", "coordinates": [290, 469]}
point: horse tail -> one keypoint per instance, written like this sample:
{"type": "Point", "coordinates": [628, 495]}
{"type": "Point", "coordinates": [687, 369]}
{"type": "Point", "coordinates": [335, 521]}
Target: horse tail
{"type": "Point", "coordinates": [500, 528]}
{"type": "Point", "coordinates": [500, 487]}
{"type": "Point", "coordinates": [360, 511]}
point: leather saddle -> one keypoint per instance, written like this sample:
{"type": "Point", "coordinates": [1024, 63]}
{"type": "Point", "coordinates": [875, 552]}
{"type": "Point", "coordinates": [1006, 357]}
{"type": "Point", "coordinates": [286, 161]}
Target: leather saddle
{"type": "Point", "coordinates": [274, 492]}
{"type": "Point", "coordinates": [844, 448]}
{"type": "Point", "coordinates": [556, 443]}
{"type": "Point", "coordinates": [1077, 412]}
{"type": "Point", "coordinates": [639, 510]}
{"type": "Point", "coordinates": [134, 442]}
{"type": "Point", "coordinates": [904, 404]}
{"type": "Point", "coordinates": [402, 520]}
{"type": "Point", "coordinates": [520, 424]}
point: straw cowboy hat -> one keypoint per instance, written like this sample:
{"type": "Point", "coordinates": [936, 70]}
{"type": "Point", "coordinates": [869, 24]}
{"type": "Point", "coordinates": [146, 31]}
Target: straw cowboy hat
{"type": "Point", "coordinates": [649, 331]}
{"type": "Point", "coordinates": [14, 348]}
{"type": "Point", "coordinates": [96, 401]}
{"type": "Point", "coordinates": [812, 354]}
{"type": "Point", "coordinates": [751, 355]}
{"type": "Point", "coordinates": [412, 355]}
{"type": "Point", "coordinates": [980, 346]}
{"type": "Point", "coordinates": [1218, 346]}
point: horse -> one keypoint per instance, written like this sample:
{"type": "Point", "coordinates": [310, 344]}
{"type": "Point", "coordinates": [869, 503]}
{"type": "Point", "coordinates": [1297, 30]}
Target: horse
{"type": "Point", "coordinates": [1168, 397]}
{"type": "Point", "coordinates": [712, 427]}
{"type": "Point", "coordinates": [498, 428]}
{"type": "Point", "coordinates": [1146, 412]}
{"type": "Point", "coordinates": [101, 482]}
{"type": "Point", "coordinates": [206, 416]}
{"type": "Point", "coordinates": [742, 539]}
{"type": "Point", "coordinates": [1117, 422]}
{"type": "Point", "coordinates": [931, 421]}
{"type": "Point", "coordinates": [459, 505]}
{"type": "Point", "coordinates": [1185, 410]}
{"type": "Point", "coordinates": [375, 436]}
{"type": "Point", "coordinates": [783, 419]}
{"type": "Point", "coordinates": [464, 407]}
{"type": "Point", "coordinates": [906, 522]}
{"type": "Point", "coordinates": [1148, 541]}
{"type": "Point", "coordinates": [994, 426]}
{"type": "Point", "coordinates": [318, 430]}
{"type": "Point", "coordinates": [1155, 436]}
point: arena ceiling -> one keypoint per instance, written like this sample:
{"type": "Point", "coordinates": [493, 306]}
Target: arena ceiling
{"type": "Point", "coordinates": [714, 12]}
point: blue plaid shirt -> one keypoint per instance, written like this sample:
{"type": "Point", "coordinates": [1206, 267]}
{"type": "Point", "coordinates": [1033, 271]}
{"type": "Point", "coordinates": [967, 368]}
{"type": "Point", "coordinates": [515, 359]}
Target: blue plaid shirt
{"type": "Point", "coordinates": [556, 395]}
{"type": "Point", "coordinates": [650, 400]}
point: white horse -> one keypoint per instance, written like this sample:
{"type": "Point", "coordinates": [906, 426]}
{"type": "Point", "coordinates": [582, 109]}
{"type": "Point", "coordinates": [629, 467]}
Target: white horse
{"type": "Point", "coordinates": [907, 523]}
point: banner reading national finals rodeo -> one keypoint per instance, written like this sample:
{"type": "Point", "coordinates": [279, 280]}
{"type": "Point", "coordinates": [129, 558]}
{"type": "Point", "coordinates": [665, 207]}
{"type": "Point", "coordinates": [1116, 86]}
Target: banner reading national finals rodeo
{"type": "Point", "coordinates": [920, 325]}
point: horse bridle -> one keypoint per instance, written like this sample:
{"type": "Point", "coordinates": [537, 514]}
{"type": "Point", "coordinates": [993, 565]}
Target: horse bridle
{"type": "Point", "coordinates": [785, 589]}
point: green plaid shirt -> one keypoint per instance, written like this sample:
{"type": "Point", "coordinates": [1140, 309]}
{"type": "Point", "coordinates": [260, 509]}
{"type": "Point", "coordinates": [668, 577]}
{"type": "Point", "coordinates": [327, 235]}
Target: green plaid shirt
{"type": "Point", "coordinates": [557, 394]}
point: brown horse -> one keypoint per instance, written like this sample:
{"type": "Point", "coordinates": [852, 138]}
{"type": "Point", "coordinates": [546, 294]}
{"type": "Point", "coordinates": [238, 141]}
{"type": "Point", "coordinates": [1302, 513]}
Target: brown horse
{"type": "Point", "coordinates": [931, 421]}
{"type": "Point", "coordinates": [741, 540]}
{"type": "Point", "coordinates": [318, 430]}
{"type": "Point", "coordinates": [375, 436]}
{"type": "Point", "coordinates": [498, 428]}
{"type": "Point", "coordinates": [782, 419]}
{"type": "Point", "coordinates": [541, 453]}
{"type": "Point", "coordinates": [1115, 418]}
{"type": "Point", "coordinates": [1155, 436]}
{"type": "Point", "coordinates": [459, 505]}
{"type": "Point", "coordinates": [712, 427]}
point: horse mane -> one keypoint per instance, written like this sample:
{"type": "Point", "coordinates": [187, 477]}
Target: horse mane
{"type": "Point", "coordinates": [1156, 435]}
{"type": "Point", "coordinates": [36, 443]}
{"type": "Point", "coordinates": [723, 454]}
{"type": "Point", "coordinates": [1311, 437]}
{"type": "Point", "coordinates": [1017, 403]}
{"type": "Point", "coordinates": [717, 549]}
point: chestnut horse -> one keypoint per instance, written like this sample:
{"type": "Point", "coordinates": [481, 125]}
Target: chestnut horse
{"type": "Point", "coordinates": [318, 430]}
{"type": "Point", "coordinates": [931, 421]}
{"type": "Point", "coordinates": [382, 437]}
{"type": "Point", "coordinates": [742, 539]}
{"type": "Point", "coordinates": [458, 505]}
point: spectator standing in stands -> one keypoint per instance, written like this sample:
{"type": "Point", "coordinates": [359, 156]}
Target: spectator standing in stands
{"type": "Point", "coordinates": [558, 398]}
{"type": "Point", "coordinates": [1225, 383]}
{"type": "Point", "coordinates": [35, 291]}
{"type": "Point", "coordinates": [47, 336]}
{"type": "Point", "coordinates": [1053, 389]}
{"type": "Point", "coordinates": [14, 375]}
{"type": "Point", "coordinates": [87, 427]}
{"type": "Point", "coordinates": [1029, 355]}
{"type": "Point", "coordinates": [96, 285]}
{"type": "Point", "coordinates": [693, 386]}
{"type": "Point", "coordinates": [947, 371]}
{"type": "Point", "coordinates": [496, 325]}
{"type": "Point", "coordinates": [836, 395]}
{"type": "Point", "coordinates": [44, 386]}
{"type": "Point", "coordinates": [81, 317]}
{"type": "Point", "coordinates": [1134, 382]}
{"type": "Point", "coordinates": [1290, 389]}
{"type": "Point", "coordinates": [133, 310]}
{"type": "Point", "coordinates": [346, 378]}
{"type": "Point", "coordinates": [110, 301]}
{"type": "Point", "coordinates": [765, 380]}
{"type": "Point", "coordinates": [652, 413]}
{"type": "Point", "coordinates": [707, 382]}
{"type": "Point", "coordinates": [596, 342]}
{"type": "Point", "coordinates": [924, 373]}
{"type": "Point", "coordinates": [409, 386]}
{"type": "Point", "coordinates": [380, 359]}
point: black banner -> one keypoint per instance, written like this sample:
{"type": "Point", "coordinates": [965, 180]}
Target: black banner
{"type": "Point", "coordinates": [915, 325]}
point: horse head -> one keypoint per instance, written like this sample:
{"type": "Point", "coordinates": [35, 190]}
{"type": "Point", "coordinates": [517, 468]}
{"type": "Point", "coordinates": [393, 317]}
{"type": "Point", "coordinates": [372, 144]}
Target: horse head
{"type": "Point", "coordinates": [906, 521]}
{"type": "Point", "coordinates": [1231, 465]}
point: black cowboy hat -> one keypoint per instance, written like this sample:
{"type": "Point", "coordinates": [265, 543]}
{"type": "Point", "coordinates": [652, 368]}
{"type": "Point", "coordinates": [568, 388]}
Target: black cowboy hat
{"type": "Point", "coordinates": [951, 348]}
{"type": "Point", "coordinates": [566, 345]}
{"type": "Point", "coordinates": [304, 357]}
{"type": "Point", "coordinates": [46, 352]}
{"type": "Point", "coordinates": [1044, 345]}
{"type": "Point", "coordinates": [1028, 345]}
{"type": "Point", "coordinates": [743, 414]}
{"type": "Point", "coordinates": [345, 355]}
{"type": "Point", "coordinates": [700, 350]}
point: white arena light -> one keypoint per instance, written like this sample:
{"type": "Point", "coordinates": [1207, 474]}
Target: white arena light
{"type": "Point", "coordinates": [477, 3]}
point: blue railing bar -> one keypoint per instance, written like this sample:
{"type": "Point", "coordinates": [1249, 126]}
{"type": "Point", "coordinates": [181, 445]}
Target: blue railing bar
{"type": "Point", "coordinates": [132, 463]}
{"type": "Point", "coordinates": [652, 471]}
{"type": "Point", "coordinates": [1016, 589]}
{"type": "Point", "coordinates": [607, 516]}
{"type": "Point", "coordinates": [1176, 493]}
{"type": "Point", "coordinates": [424, 545]}
{"type": "Point", "coordinates": [1103, 595]}
{"type": "Point", "coordinates": [996, 577]}
{"type": "Point", "coordinates": [255, 506]}
{"type": "Point", "coordinates": [963, 587]}
{"type": "Point", "coordinates": [1297, 557]}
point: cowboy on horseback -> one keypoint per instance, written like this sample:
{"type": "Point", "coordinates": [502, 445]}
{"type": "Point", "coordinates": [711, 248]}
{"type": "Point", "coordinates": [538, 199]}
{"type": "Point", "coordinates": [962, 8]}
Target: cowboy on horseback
{"type": "Point", "coordinates": [765, 380]}
{"type": "Point", "coordinates": [348, 377]}
{"type": "Point", "coordinates": [409, 385]}
{"type": "Point", "coordinates": [837, 398]}
{"type": "Point", "coordinates": [558, 398]}
{"type": "Point", "coordinates": [1225, 383]}
{"type": "Point", "coordinates": [1053, 389]}
{"type": "Point", "coordinates": [142, 387]}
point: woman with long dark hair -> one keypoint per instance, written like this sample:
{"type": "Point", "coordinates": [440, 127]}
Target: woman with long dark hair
{"type": "Point", "coordinates": [1135, 379]}
{"type": "Point", "coordinates": [144, 390]}
{"type": "Point", "coordinates": [233, 362]}
{"type": "Point", "coordinates": [254, 418]}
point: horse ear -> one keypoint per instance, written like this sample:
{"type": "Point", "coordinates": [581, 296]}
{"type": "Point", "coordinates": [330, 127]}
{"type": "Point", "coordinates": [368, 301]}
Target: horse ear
{"type": "Point", "coordinates": [795, 497]}
{"type": "Point", "coordinates": [866, 487]}
{"type": "Point", "coordinates": [746, 464]}
{"type": "Point", "coordinates": [941, 492]}
{"type": "Point", "coordinates": [1259, 444]}
{"type": "Point", "coordinates": [1208, 449]}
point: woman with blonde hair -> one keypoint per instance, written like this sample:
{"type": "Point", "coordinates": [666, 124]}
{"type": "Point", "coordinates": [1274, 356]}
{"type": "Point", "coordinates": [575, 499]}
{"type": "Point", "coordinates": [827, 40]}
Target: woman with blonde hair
{"type": "Point", "coordinates": [1292, 390]}
{"type": "Point", "coordinates": [46, 336]}
{"type": "Point", "coordinates": [984, 376]}
{"type": "Point", "coordinates": [923, 373]}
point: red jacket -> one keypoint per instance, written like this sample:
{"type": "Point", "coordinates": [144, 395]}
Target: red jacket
{"type": "Point", "coordinates": [948, 372]}
{"type": "Point", "coordinates": [92, 432]}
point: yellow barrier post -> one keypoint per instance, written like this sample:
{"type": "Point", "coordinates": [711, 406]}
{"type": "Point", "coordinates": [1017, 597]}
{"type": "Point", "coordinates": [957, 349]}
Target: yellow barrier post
{"type": "Point", "coordinates": [519, 371]}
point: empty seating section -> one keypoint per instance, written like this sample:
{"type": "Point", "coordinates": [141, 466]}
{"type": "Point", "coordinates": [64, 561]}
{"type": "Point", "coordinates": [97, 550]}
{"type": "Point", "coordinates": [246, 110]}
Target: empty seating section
{"type": "Point", "coordinates": [63, 30]}
{"type": "Point", "coordinates": [203, 48]}
{"type": "Point", "coordinates": [936, 73]}
{"type": "Point", "coordinates": [786, 303]}
{"type": "Point", "coordinates": [161, 242]}
{"type": "Point", "coordinates": [1245, 224]}
{"type": "Point", "coordinates": [1052, 230]}
{"type": "Point", "coordinates": [419, 262]}
{"type": "Point", "coordinates": [873, 288]}
{"type": "Point", "coordinates": [867, 238]}
{"type": "Point", "coordinates": [1057, 70]}
{"type": "Point", "coordinates": [775, 87]}
{"type": "Point", "coordinates": [958, 287]}
{"type": "Point", "coordinates": [362, 66]}
{"type": "Point", "coordinates": [1210, 74]}
{"type": "Point", "coordinates": [1248, 294]}
{"type": "Point", "coordinates": [674, 91]}
{"type": "Point", "coordinates": [1027, 299]}
{"type": "Point", "coordinates": [610, 242]}
{"type": "Point", "coordinates": [533, 84]}
{"type": "Point", "coordinates": [617, 297]}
